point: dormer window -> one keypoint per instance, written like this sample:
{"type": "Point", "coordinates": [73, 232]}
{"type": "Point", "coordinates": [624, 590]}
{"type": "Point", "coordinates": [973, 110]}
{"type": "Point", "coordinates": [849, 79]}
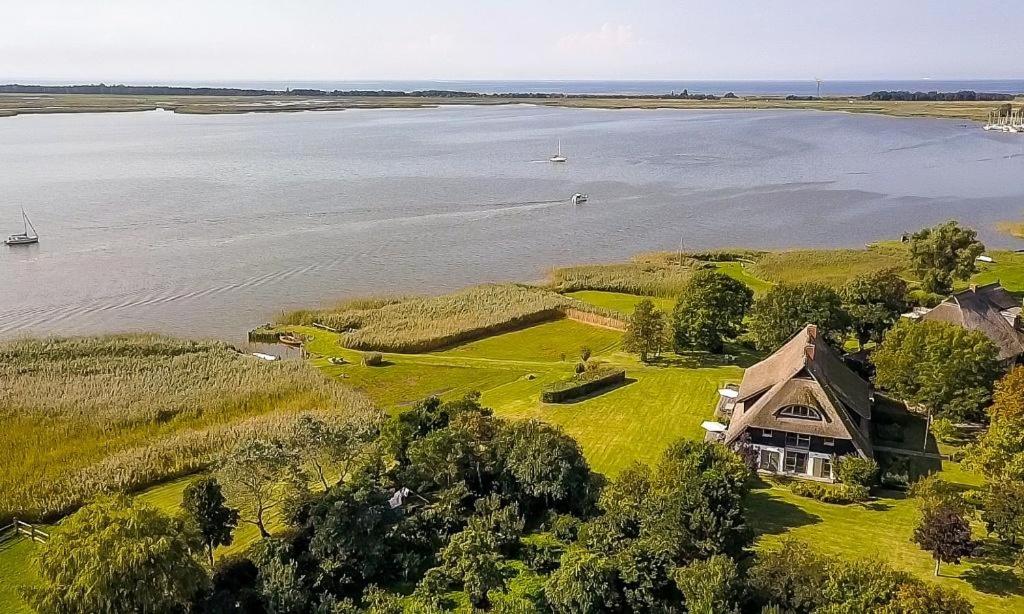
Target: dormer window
{"type": "Point", "coordinates": [802, 412]}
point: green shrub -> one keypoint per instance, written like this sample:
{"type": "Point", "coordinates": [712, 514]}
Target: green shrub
{"type": "Point", "coordinates": [373, 359]}
{"type": "Point", "coordinates": [582, 384]}
{"type": "Point", "coordinates": [857, 471]}
{"type": "Point", "coordinates": [830, 493]}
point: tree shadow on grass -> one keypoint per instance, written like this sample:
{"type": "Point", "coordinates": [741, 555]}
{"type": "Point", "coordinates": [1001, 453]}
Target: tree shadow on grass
{"type": "Point", "coordinates": [994, 551]}
{"type": "Point", "coordinates": [770, 515]}
{"type": "Point", "coordinates": [994, 580]}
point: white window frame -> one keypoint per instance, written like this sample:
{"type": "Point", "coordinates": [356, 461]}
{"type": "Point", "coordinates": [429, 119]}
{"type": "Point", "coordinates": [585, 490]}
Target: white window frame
{"type": "Point", "coordinates": [767, 433]}
{"type": "Point", "coordinates": [808, 412]}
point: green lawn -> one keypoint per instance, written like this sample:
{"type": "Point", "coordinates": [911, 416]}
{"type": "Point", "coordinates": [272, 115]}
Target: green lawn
{"type": "Point", "coordinates": [15, 570]}
{"type": "Point", "coordinates": [619, 301]}
{"type": "Point", "coordinates": [551, 342]}
{"type": "Point", "coordinates": [882, 529]}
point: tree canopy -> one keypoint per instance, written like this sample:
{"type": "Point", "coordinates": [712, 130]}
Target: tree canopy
{"type": "Point", "coordinates": [119, 555]}
{"type": "Point", "coordinates": [787, 308]}
{"type": "Point", "coordinates": [710, 309]}
{"type": "Point", "coordinates": [645, 331]}
{"type": "Point", "coordinates": [940, 366]}
{"type": "Point", "coordinates": [204, 503]}
{"type": "Point", "coordinates": [874, 303]}
{"type": "Point", "coordinates": [944, 253]}
{"type": "Point", "coordinates": [999, 452]}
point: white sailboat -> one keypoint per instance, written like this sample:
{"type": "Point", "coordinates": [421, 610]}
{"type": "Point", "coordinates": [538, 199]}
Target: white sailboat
{"type": "Point", "coordinates": [24, 238]}
{"type": "Point", "coordinates": [558, 157]}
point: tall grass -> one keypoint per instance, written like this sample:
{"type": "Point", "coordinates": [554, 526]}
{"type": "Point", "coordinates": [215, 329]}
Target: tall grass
{"type": "Point", "coordinates": [429, 323]}
{"type": "Point", "coordinates": [830, 266]}
{"type": "Point", "coordinates": [84, 415]}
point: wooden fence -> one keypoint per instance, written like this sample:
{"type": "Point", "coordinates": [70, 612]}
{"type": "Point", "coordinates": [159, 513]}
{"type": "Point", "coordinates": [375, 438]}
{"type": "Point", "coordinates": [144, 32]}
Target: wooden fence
{"type": "Point", "coordinates": [30, 531]}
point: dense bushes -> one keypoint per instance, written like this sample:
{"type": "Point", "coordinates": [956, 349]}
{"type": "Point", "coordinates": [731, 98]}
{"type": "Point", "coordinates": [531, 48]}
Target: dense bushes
{"type": "Point", "coordinates": [373, 359]}
{"type": "Point", "coordinates": [582, 384]}
{"type": "Point", "coordinates": [831, 493]}
{"type": "Point", "coordinates": [855, 470]}
{"type": "Point", "coordinates": [795, 578]}
{"type": "Point", "coordinates": [86, 415]}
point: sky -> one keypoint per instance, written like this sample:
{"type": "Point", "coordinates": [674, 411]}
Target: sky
{"type": "Point", "coordinates": [233, 40]}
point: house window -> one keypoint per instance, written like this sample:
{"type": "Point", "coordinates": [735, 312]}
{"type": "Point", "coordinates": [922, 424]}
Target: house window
{"type": "Point", "coordinates": [825, 465]}
{"type": "Point", "coordinates": [767, 460]}
{"type": "Point", "coordinates": [800, 411]}
{"type": "Point", "coordinates": [798, 440]}
{"type": "Point", "coordinates": [766, 433]}
{"type": "Point", "coordinates": [796, 462]}
{"type": "Point", "coordinates": [830, 441]}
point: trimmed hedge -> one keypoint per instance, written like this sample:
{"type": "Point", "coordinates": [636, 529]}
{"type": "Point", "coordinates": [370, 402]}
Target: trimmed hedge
{"type": "Point", "coordinates": [582, 384]}
{"type": "Point", "coordinates": [830, 493]}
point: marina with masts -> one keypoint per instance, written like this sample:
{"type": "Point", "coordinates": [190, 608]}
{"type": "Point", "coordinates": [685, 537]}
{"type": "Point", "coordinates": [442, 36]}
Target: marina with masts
{"type": "Point", "coordinates": [1006, 120]}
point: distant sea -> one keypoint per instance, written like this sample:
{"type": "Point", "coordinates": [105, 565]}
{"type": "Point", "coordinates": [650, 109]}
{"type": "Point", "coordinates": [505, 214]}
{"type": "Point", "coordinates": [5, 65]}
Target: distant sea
{"type": "Point", "coordinates": [750, 88]}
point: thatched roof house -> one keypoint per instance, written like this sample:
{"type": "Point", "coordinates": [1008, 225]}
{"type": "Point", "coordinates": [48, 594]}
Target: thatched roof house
{"type": "Point", "coordinates": [989, 309]}
{"type": "Point", "coordinates": [800, 408]}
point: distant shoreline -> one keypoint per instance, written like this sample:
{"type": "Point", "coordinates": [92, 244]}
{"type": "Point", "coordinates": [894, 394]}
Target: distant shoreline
{"type": "Point", "coordinates": [13, 104]}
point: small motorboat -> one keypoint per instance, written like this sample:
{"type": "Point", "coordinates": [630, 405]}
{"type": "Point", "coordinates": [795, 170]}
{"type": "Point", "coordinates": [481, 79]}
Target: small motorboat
{"type": "Point", "coordinates": [290, 339]}
{"type": "Point", "coordinates": [23, 238]}
{"type": "Point", "coordinates": [266, 357]}
{"type": "Point", "coordinates": [579, 198]}
{"type": "Point", "coordinates": [336, 360]}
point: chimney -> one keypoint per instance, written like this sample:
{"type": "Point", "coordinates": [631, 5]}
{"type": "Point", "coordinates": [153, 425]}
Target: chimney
{"type": "Point", "coordinates": [812, 331]}
{"type": "Point", "coordinates": [809, 351]}
{"type": "Point", "coordinates": [974, 287]}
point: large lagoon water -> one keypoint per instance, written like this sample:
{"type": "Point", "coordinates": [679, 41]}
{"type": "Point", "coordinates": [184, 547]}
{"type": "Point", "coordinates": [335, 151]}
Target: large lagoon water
{"type": "Point", "coordinates": [208, 225]}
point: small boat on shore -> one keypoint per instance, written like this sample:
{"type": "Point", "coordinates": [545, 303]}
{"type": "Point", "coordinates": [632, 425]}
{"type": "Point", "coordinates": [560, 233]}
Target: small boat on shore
{"type": "Point", "coordinates": [290, 339]}
{"type": "Point", "coordinates": [266, 357]}
{"type": "Point", "coordinates": [24, 238]}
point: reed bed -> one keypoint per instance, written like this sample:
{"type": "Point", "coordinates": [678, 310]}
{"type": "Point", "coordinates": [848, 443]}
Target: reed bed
{"type": "Point", "coordinates": [830, 266]}
{"type": "Point", "coordinates": [651, 275]}
{"type": "Point", "coordinates": [415, 325]}
{"type": "Point", "coordinates": [85, 415]}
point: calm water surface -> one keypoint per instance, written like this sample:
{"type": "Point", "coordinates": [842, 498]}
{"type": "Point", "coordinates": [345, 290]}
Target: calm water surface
{"type": "Point", "coordinates": [206, 226]}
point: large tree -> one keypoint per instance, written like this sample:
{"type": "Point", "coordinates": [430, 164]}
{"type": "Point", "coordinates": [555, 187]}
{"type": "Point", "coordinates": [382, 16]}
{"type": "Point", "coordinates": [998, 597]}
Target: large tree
{"type": "Point", "coordinates": [942, 367]}
{"type": "Point", "coordinates": [253, 474]}
{"type": "Point", "coordinates": [646, 331]}
{"type": "Point", "coordinates": [710, 587]}
{"type": "Point", "coordinates": [874, 303]}
{"type": "Point", "coordinates": [541, 464]}
{"type": "Point", "coordinates": [119, 555]}
{"type": "Point", "coordinates": [710, 309]}
{"type": "Point", "coordinates": [330, 447]}
{"type": "Point", "coordinates": [584, 582]}
{"type": "Point", "coordinates": [1003, 509]}
{"type": "Point", "coordinates": [786, 308]}
{"type": "Point", "coordinates": [204, 504]}
{"type": "Point", "coordinates": [999, 452]}
{"type": "Point", "coordinates": [944, 253]}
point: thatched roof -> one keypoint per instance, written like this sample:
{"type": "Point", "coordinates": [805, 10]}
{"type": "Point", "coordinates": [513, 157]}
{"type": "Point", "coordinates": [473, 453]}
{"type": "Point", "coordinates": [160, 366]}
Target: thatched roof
{"type": "Point", "coordinates": [807, 350]}
{"type": "Point", "coordinates": [805, 371]}
{"type": "Point", "coordinates": [988, 309]}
